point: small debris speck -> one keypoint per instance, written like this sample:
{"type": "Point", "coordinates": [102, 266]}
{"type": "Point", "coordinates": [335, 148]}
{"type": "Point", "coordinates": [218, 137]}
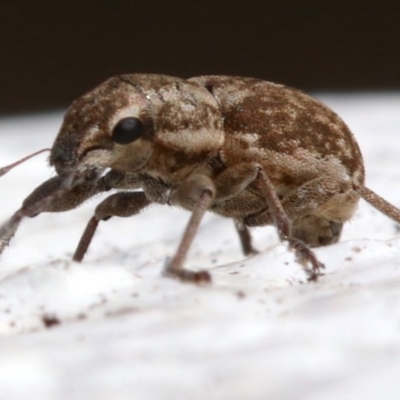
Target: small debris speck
{"type": "Point", "coordinates": [50, 320]}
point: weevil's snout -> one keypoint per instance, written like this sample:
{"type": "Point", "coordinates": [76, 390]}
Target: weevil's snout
{"type": "Point", "coordinates": [83, 142]}
{"type": "Point", "coordinates": [84, 173]}
{"type": "Point", "coordinates": [63, 155]}
{"type": "Point", "coordinates": [69, 154]}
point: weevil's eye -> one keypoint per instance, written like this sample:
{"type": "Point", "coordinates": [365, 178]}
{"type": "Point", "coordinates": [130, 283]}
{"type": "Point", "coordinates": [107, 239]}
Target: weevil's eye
{"type": "Point", "coordinates": [127, 130]}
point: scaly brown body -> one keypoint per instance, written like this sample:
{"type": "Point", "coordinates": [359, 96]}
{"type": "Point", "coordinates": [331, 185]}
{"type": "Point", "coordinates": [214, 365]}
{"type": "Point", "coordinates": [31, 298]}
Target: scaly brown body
{"type": "Point", "coordinates": [254, 151]}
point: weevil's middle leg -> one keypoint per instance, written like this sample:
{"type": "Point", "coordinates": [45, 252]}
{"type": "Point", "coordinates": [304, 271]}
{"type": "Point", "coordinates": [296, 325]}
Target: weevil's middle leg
{"type": "Point", "coordinates": [196, 193]}
{"type": "Point", "coordinates": [174, 267]}
{"type": "Point", "coordinates": [245, 239]}
{"type": "Point", "coordinates": [86, 239]}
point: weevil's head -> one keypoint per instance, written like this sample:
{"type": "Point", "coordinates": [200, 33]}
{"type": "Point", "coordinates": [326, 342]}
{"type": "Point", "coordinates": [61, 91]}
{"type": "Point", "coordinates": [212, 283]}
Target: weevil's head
{"type": "Point", "coordinates": [132, 122]}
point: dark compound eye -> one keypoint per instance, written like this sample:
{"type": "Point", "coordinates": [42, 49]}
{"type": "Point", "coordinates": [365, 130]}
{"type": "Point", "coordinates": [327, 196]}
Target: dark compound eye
{"type": "Point", "coordinates": [127, 130]}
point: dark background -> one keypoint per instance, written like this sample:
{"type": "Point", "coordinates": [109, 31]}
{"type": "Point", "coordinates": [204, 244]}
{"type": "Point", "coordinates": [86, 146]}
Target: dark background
{"type": "Point", "coordinates": [52, 53]}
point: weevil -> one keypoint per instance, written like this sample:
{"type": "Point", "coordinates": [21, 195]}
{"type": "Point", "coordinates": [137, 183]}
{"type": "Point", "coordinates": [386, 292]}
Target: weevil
{"type": "Point", "coordinates": [257, 152]}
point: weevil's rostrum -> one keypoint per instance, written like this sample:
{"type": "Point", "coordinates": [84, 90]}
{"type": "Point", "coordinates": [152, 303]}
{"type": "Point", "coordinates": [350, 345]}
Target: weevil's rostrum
{"type": "Point", "coordinates": [254, 151]}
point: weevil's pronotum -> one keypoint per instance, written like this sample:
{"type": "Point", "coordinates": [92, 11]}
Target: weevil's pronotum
{"type": "Point", "coordinates": [246, 149]}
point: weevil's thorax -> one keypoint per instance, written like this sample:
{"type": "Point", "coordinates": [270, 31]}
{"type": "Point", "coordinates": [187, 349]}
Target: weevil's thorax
{"type": "Point", "coordinates": [182, 127]}
{"type": "Point", "coordinates": [188, 127]}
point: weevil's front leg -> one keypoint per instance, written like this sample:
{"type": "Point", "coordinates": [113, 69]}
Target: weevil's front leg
{"type": "Point", "coordinates": [196, 193]}
{"type": "Point", "coordinates": [51, 196]}
{"type": "Point", "coordinates": [124, 204]}
{"type": "Point", "coordinates": [54, 195]}
{"type": "Point", "coordinates": [31, 206]}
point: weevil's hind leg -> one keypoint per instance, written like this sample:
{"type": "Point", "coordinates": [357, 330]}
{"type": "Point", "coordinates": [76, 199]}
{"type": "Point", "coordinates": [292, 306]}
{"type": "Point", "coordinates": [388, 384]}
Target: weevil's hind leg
{"type": "Point", "coordinates": [379, 202]}
{"type": "Point", "coordinates": [306, 256]}
{"type": "Point", "coordinates": [303, 252]}
{"type": "Point", "coordinates": [124, 204]}
{"type": "Point", "coordinates": [245, 239]}
{"type": "Point", "coordinates": [198, 192]}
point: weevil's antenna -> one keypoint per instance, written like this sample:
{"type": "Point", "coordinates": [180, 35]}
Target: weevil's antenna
{"type": "Point", "coordinates": [8, 168]}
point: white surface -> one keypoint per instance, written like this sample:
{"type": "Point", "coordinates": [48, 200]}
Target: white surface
{"type": "Point", "coordinates": [258, 332]}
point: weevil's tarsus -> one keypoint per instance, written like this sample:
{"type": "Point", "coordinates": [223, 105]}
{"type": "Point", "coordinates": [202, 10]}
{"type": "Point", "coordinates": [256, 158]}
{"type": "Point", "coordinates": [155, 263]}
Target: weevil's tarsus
{"type": "Point", "coordinates": [8, 168]}
{"type": "Point", "coordinates": [305, 256]}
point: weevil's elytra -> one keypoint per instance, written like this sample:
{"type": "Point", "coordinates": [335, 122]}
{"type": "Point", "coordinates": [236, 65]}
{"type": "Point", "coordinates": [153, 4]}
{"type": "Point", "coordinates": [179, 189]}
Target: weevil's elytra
{"type": "Point", "coordinates": [253, 151]}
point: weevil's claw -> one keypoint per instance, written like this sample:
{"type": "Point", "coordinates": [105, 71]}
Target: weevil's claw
{"type": "Point", "coordinates": [306, 256]}
{"type": "Point", "coordinates": [315, 273]}
{"type": "Point", "coordinates": [196, 277]}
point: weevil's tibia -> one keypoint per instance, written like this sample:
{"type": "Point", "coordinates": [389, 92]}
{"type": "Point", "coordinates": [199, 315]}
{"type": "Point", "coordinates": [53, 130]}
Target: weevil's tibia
{"type": "Point", "coordinates": [6, 169]}
{"type": "Point", "coordinates": [86, 239]}
{"type": "Point", "coordinates": [245, 239]}
{"type": "Point", "coordinates": [303, 253]}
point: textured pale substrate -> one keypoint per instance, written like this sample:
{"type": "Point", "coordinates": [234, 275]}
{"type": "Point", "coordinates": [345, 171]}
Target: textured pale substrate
{"type": "Point", "coordinates": [114, 328]}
